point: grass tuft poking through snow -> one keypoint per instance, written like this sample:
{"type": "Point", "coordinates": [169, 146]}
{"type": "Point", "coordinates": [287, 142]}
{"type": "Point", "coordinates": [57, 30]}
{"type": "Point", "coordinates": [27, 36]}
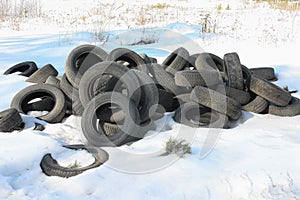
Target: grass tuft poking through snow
{"type": "Point", "coordinates": [73, 165]}
{"type": "Point", "coordinates": [178, 147]}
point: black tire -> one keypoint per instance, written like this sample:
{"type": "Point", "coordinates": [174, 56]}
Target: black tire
{"type": "Point", "coordinates": [267, 73]}
{"type": "Point", "coordinates": [110, 129]}
{"type": "Point", "coordinates": [149, 95]}
{"type": "Point", "coordinates": [95, 73]}
{"type": "Point", "coordinates": [184, 98]}
{"type": "Point", "coordinates": [166, 80]}
{"type": "Point", "coordinates": [77, 107]}
{"type": "Point", "coordinates": [113, 128]}
{"type": "Point", "coordinates": [247, 77]}
{"type": "Point", "coordinates": [192, 61]}
{"type": "Point", "coordinates": [22, 98]}
{"type": "Point", "coordinates": [106, 114]}
{"type": "Point", "coordinates": [177, 60]}
{"type": "Point", "coordinates": [216, 101]}
{"type": "Point", "coordinates": [194, 115]}
{"type": "Point", "coordinates": [41, 75]}
{"type": "Point", "coordinates": [50, 166]}
{"type": "Point", "coordinates": [269, 91]}
{"type": "Point", "coordinates": [122, 54]}
{"type": "Point", "coordinates": [166, 100]}
{"type": "Point", "coordinates": [10, 120]}
{"type": "Point", "coordinates": [72, 95]}
{"type": "Point", "coordinates": [239, 95]}
{"type": "Point", "coordinates": [257, 105]}
{"type": "Point", "coordinates": [95, 134]}
{"type": "Point", "coordinates": [290, 110]}
{"type": "Point", "coordinates": [45, 103]}
{"type": "Point", "coordinates": [26, 69]}
{"type": "Point", "coordinates": [52, 80]}
{"type": "Point", "coordinates": [81, 59]}
{"type": "Point", "coordinates": [233, 69]}
{"type": "Point", "coordinates": [153, 60]}
{"type": "Point", "coordinates": [145, 58]}
{"type": "Point", "coordinates": [66, 87]}
{"type": "Point", "coordinates": [192, 78]}
{"type": "Point", "coordinates": [208, 61]}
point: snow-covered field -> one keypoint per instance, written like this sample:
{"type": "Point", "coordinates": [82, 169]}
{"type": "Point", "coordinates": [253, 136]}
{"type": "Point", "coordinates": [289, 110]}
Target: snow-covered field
{"type": "Point", "coordinates": [258, 159]}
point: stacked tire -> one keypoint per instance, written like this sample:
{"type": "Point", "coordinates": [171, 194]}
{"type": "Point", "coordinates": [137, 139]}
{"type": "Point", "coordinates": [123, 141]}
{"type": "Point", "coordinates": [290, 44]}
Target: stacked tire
{"type": "Point", "coordinates": [224, 87]}
{"type": "Point", "coordinates": [119, 94]}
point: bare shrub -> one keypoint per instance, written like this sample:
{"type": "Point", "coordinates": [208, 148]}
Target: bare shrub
{"type": "Point", "coordinates": [178, 147]}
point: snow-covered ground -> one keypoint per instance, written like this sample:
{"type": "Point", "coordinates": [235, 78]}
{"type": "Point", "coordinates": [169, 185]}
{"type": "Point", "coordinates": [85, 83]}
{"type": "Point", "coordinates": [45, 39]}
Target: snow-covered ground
{"type": "Point", "coordinates": [255, 160]}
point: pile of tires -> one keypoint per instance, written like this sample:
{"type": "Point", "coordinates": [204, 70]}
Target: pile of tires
{"type": "Point", "coordinates": [120, 94]}
{"type": "Point", "coordinates": [221, 88]}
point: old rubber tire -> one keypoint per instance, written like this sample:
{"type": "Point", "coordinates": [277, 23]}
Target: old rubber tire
{"type": "Point", "coordinates": [209, 61]}
{"type": "Point", "coordinates": [72, 95]}
{"type": "Point", "coordinates": [10, 119]}
{"type": "Point", "coordinates": [41, 75]}
{"type": "Point", "coordinates": [192, 78]}
{"type": "Point", "coordinates": [95, 134]}
{"type": "Point", "coordinates": [166, 80]}
{"type": "Point", "coordinates": [81, 59]}
{"type": "Point", "coordinates": [269, 91]}
{"type": "Point", "coordinates": [106, 114]}
{"type": "Point", "coordinates": [194, 115]}
{"type": "Point", "coordinates": [149, 95]}
{"type": "Point", "coordinates": [247, 77]}
{"type": "Point", "coordinates": [239, 95]}
{"type": "Point", "coordinates": [51, 167]}
{"type": "Point", "coordinates": [292, 109]}
{"type": "Point", "coordinates": [44, 104]}
{"type": "Point", "coordinates": [122, 54]}
{"type": "Point", "coordinates": [167, 100]}
{"type": "Point", "coordinates": [233, 71]}
{"type": "Point", "coordinates": [177, 60]}
{"type": "Point", "coordinates": [29, 93]}
{"type": "Point", "coordinates": [66, 86]}
{"type": "Point", "coordinates": [146, 58]}
{"type": "Point", "coordinates": [216, 101]}
{"type": "Point", "coordinates": [95, 73]}
{"type": "Point", "coordinates": [257, 105]}
{"type": "Point", "coordinates": [26, 68]}
{"type": "Point", "coordinates": [192, 60]}
{"type": "Point", "coordinates": [267, 73]}
{"type": "Point", "coordinates": [52, 80]}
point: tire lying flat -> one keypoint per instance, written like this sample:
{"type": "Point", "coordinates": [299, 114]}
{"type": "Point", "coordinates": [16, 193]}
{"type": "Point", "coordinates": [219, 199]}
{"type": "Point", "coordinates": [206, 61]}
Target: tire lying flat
{"type": "Point", "coordinates": [216, 101]}
{"type": "Point", "coordinates": [267, 73]}
{"type": "Point", "coordinates": [257, 105]}
{"type": "Point", "coordinates": [41, 75]}
{"type": "Point", "coordinates": [26, 68]}
{"type": "Point", "coordinates": [269, 91]}
{"type": "Point", "coordinates": [292, 109]}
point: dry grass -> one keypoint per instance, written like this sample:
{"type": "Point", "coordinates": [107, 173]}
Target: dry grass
{"type": "Point", "coordinates": [14, 11]}
{"type": "Point", "coordinates": [20, 9]}
{"type": "Point", "coordinates": [290, 5]}
{"type": "Point", "coordinates": [159, 6]}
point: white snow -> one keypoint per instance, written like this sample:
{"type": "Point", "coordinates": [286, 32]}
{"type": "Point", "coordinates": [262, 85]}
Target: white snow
{"type": "Point", "coordinates": [258, 159]}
